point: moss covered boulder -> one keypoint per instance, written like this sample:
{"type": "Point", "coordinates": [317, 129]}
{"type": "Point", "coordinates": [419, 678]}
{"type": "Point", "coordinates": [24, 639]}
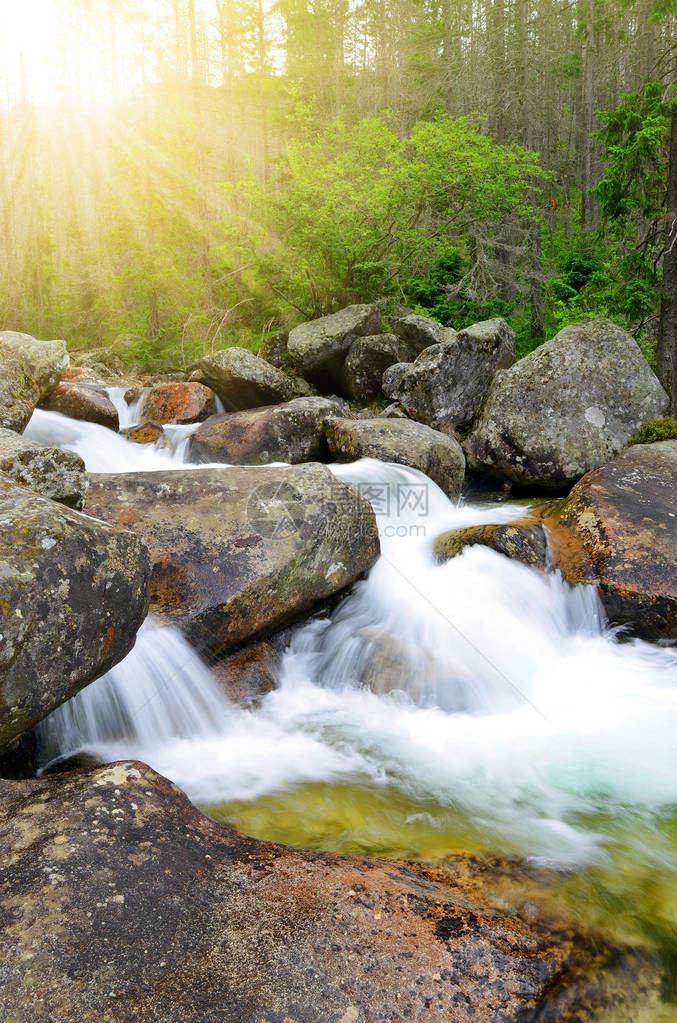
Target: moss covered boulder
{"type": "Point", "coordinates": [290, 432]}
{"type": "Point", "coordinates": [243, 380]}
{"type": "Point", "coordinates": [618, 530]}
{"type": "Point", "coordinates": [522, 539]}
{"type": "Point", "coordinates": [319, 347]}
{"type": "Point", "coordinates": [19, 393]}
{"type": "Point", "coordinates": [444, 386]}
{"type": "Point", "coordinates": [568, 407]}
{"type": "Point", "coordinates": [52, 472]}
{"type": "Point", "coordinates": [238, 552]}
{"type": "Point", "coordinates": [88, 402]}
{"type": "Point", "coordinates": [121, 902]}
{"type": "Point", "coordinates": [366, 362]}
{"type": "Point", "coordinates": [401, 441]}
{"type": "Point", "coordinates": [45, 361]}
{"type": "Point", "coordinates": [73, 593]}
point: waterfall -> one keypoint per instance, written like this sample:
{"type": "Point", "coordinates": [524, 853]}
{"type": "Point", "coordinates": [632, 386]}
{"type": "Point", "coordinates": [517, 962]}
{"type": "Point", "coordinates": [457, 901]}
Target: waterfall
{"type": "Point", "coordinates": [479, 691]}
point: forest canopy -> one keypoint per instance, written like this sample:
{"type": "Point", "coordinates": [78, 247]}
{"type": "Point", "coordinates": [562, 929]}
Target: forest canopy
{"type": "Point", "coordinates": [179, 175]}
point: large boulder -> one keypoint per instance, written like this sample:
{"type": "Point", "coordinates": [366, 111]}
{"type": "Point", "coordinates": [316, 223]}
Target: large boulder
{"type": "Point", "coordinates": [19, 393]}
{"type": "Point", "coordinates": [618, 530]}
{"type": "Point", "coordinates": [568, 407]}
{"type": "Point", "coordinates": [421, 332]}
{"type": "Point", "coordinates": [52, 472]}
{"type": "Point", "coordinates": [46, 361]}
{"type": "Point", "coordinates": [291, 432]}
{"type": "Point", "coordinates": [402, 441]}
{"type": "Point", "coordinates": [188, 402]}
{"type": "Point", "coordinates": [274, 350]}
{"type": "Point", "coordinates": [368, 359]}
{"type": "Point", "coordinates": [73, 593]}
{"type": "Point", "coordinates": [319, 347]}
{"type": "Point", "coordinates": [444, 387]}
{"type": "Point", "coordinates": [88, 402]}
{"type": "Point", "coordinates": [239, 552]}
{"type": "Point", "coordinates": [243, 380]}
{"type": "Point", "coordinates": [121, 901]}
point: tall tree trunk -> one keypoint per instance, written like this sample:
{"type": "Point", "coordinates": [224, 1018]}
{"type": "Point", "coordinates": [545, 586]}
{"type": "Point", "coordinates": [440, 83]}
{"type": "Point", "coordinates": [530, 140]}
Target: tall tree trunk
{"type": "Point", "coordinates": [536, 326]}
{"type": "Point", "coordinates": [666, 355]}
{"type": "Point", "coordinates": [587, 202]}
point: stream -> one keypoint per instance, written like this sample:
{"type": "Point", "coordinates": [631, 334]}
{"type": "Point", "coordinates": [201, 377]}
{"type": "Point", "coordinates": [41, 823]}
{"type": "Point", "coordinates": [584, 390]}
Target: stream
{"type": "Point", "coordinates": [502, 715]}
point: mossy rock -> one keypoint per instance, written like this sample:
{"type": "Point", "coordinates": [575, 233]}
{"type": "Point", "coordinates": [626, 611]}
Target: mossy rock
{"type": "Point", "coordinates": [655, 430]}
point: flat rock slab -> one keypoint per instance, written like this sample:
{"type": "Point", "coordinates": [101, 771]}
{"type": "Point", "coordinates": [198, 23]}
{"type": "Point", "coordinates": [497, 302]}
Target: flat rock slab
{"type": "Point", "coordinates": [404, 442]}
{"type": "Point", "coordinates": [73, 593]}
{"type": "Point", "coordinates": [238, 552]}
{"type": "Point", "coordinates": [120, 902]}
{"type": "Point", "coordinates": [52, 472]}
{"type": "Point", "coordinates": [618, 529]}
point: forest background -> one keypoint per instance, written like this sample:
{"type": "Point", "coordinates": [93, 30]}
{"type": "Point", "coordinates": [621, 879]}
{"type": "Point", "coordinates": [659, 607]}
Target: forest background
{"type": "Point", "coordinates": [180, 175]}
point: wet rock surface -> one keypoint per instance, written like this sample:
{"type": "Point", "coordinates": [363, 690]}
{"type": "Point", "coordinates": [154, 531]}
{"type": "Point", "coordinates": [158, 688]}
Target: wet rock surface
{"type": "Point", "coordinates": [618, 530]}
{"type": "Point", "coordinates": [319, 347]}
{"type": "Point", "coordinates": [143, 433]}
{"type": "Point", "coordinates": [445, 385]}
{"type": "Point", "coordinates": [243, 380]}
{"type": "Point", "coordinates": [120, 901]}
{"type": "Point", "coordinates": [401, 441]}
{"type": "Point", "coordinates": [290, 432]}
{"type": "Point", "coordinates": [73, 593]}
{"type": "Point", "coordinates": [522, 540]}
{"type": "Point", "coordinates": [52, 472]}
{"type": "Point", "coordinates": [238, 552]}
{"type": "Point", "coordinates": [568, 407]}
{"type": "Point", "coordinates": [248, 674]}
{"type": "Point", "coordinates": [88, 402]}
{"type": "Point", "coordinates": [175, 402]}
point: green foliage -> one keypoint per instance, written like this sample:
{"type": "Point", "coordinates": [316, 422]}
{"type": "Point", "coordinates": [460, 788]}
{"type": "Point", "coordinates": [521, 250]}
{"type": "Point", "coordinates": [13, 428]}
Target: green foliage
{"type": "Point", "coordinates": [634, 138]}
{"type": "Point", "coordinates": [358, 211]}
{"type": "Point", "coordinates": [655, 430]}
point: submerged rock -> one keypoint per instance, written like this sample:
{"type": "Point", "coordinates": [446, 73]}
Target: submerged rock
{"type": "Point", "coordinates": [88, 402]}
{"type": "Point", "coordinates": [184, 403]}
{"type": "Point", "coordinates": [368, 359]}
{"type": "Point", "coordinates": [73, 593]}
{"type": "Point", "coordinates": [122, 902]}
{"type": "Point", "coordinates": [52, 472]}
{"type": "Point", "coordinates": [401, 441]}
{"type": "Point", "coordinates": [618, 530]}
{"type": "Point", "coordinates": [522, 539]}
{"type": "Point", "coordinates": [239, 552]}
{"type": "Point", "coordinates": [319, 347]}
{"type": "Point", "coordinates": [568, 407]}
{"type": "Point", "coordinates": [19, 393]}
{"type": "Point", "coordinates": [444, 387]}
{"type": "Point", "coordinates": [249, 673]}
{"type": "Point", "coordinates": [45, 361]}
{"type": "Point", "coordinates": [243, 380]}
{"type": "Point", "coordinates": [143, 433]}
{"type": "Point", "coordinates": [290, 432]}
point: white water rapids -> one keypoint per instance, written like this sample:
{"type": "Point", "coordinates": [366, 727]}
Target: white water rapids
{"type": "Point", "coordinates": [513, 707]}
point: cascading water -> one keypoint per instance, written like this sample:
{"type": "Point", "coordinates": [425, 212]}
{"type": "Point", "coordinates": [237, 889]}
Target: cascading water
{"type": "Point", "coordinates": [476, 704]}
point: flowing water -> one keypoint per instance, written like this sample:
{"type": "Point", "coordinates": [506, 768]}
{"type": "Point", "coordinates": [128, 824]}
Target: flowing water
{"type": "Point", "coordinates": [478, 704]}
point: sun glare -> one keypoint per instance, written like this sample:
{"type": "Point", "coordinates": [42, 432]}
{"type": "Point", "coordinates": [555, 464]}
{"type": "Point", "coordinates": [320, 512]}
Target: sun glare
{"type": "Point", "coordinates": [29, 46]}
